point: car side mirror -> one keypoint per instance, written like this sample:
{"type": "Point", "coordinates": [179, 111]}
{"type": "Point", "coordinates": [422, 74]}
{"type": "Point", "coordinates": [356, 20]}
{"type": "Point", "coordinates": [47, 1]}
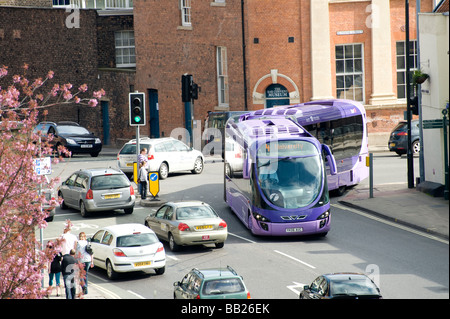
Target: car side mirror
{"type": "Point", "coordinates": [176, 283]}
{"type": "Point", "coordinates": [306, 287]}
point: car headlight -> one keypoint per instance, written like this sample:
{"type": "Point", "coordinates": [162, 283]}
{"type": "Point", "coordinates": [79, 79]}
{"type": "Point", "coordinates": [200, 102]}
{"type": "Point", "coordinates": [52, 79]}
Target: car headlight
{"type": "Point", "coordinates": [97, 141]}
{"type": "Point", "coordinates": [324, 215]}
{"type": "Point", "coordinates": [260, 217]}
{"type": "Point", "coordinates": [70, 141]}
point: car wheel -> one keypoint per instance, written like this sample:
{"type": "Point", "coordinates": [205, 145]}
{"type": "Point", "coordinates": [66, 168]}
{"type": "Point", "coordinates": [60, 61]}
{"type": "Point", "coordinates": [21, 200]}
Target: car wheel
{"type": "Point", "coordinates": [198, 166]}
{"type": "Point", "coordinates": [110, 272]}
{"type": "Point", "coordinates": [415, 147]}
{"type": "Point", "coordinates": [220, 245]}
{"type": "Point", "coordinates": [163, 171]}
{"type": "Point", "coordinates": [63, 203]}
{"type": "Point", "coordinates": [83, 210]}
{"type": "Point", "coordinates": [160, 271]}
{"type": "Point", "coordinates": [129, 210]}
{"type": "Point", "coordinates": [94, 154]}
{"type": "Point", "coordinates": [172, 244]}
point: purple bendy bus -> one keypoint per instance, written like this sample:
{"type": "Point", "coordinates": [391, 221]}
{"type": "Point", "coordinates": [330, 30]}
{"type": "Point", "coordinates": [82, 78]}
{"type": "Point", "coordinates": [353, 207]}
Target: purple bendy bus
{"type": "Point", "coordinates": [275, 177]}
{"type": "Point", "coordinates": [340, 124]}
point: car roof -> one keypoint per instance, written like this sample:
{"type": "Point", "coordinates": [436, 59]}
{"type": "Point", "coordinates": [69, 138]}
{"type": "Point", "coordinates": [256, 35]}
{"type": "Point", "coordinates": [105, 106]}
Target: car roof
{"type": "Point", "coordinates": [128, 229]}
{"type": "Point", "coordinates": [345, 276]}
{"type": "Point", "coordinates": [209, 273]}
{"type": "Point", "coordinates": [101, 171]}
{"type": "Point", "coordinates": [188, 203]}
{"type": "Point", "coordinates": [150, 140]}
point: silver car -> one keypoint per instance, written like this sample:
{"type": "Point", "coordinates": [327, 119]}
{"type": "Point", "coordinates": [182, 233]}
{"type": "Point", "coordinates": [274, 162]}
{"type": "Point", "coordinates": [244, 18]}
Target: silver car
{"type": "Point", "coordinates": [188, 223]}
{"type": "Point", "coordinates": [95, 190]}
{"type": "Point", "coordinates": [164, 155]}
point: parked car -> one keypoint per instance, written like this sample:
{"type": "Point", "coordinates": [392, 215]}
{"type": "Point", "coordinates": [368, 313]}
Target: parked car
{"type": "Point", "coordinates": [398, 140]}
{"type": "Point", "coordinates": [71, 135]}
{"type": "Point", "coordinates": [343, 286]}
{"type": "Point", "coordinates": [96, 190]}
{"type": "Point", "coordinates": [127, 248]}
{"type": "Point", "coordinates": [164, 155]}
{"type": "Point", "coordinates": [188, 223]}
{"type": "Point", "coordinates": [215, 283]}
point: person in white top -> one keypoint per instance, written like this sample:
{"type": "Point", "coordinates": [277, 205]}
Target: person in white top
{"type": "Point", "coordinates": [69, 241]}
{"type": "Point", "coordinates": [85, 258]}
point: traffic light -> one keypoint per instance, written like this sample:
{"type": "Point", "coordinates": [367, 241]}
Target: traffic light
{"type": "Point", "coordinates": [189, 89]}
{"type": "Point", "coordinates": [137, 109]}
{"type": "Point", "coordinates": [186, 81]}
{"type": "Point", "coordinates": [414, 104]}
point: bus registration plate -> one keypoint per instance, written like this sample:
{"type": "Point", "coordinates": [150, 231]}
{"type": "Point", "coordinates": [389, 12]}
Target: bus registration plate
{"type": "Point", "coordinates": [294, 230]}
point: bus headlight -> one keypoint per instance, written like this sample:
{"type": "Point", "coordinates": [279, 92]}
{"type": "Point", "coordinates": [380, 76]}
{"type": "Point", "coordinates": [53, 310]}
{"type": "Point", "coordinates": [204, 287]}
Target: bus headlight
{"type": "Point", "coordinates": [324, 215]}
{"type": "Point", "coordinates": [260, 218]}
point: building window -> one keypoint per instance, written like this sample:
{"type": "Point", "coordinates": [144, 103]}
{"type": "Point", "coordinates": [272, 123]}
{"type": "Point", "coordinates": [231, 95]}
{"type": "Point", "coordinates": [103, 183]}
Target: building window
{"type": "Point", "coordinates": [349, 72]}
{"type": "Point", "coordinates": [61, 2]}
{"type": "Point", "coordinates": [125, 49]}
{"type": "Point", "coordinates": [222, 76]}
{"type": "Point", "coordinates": [401, 66]}
{"type": "Point", "coordinates": [186, 13]}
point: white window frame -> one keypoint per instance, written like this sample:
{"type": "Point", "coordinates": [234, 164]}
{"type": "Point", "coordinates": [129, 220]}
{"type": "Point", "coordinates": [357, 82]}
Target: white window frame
{"type": "Point", "coordinates": [401, 69]}
{"type": "Point", "coordinates": [186, 9]}
{"type": "Point", "coordinates": [222, 77]}
{"type": "Point", "coordinates": [127, 50]}
{"type": "Point", "coordinates": [349, 75]}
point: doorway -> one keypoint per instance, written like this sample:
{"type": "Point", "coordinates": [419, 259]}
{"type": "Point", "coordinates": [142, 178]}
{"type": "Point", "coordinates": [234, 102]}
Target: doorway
{"type": "Point", "coordinates": [154, 113]}
{"type": "Point", "coordinates": [276, 94]}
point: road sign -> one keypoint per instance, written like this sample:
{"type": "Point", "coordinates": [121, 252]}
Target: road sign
{"type": "Point", "coordinates": [153, 181]}
{"type": "Point", "coordinates": [135, 172]}
{"type": "Point", "coordinates": [43, 166]}
{"type": "Point", "coordinates": [427, 124]}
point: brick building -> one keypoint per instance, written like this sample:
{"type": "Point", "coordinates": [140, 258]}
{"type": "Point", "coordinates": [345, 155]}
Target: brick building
{"type": "Point", "coordinates": [285, 52]}
{"type": "Point", "coordinates": [80, 47]}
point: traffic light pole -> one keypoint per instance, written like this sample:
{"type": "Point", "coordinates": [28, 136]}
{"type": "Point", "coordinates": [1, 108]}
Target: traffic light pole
{"type": "Point", "coordinates": [410, 162]}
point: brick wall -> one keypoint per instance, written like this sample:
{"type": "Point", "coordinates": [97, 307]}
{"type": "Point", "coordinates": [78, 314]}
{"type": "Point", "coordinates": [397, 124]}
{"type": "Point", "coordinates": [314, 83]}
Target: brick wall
{"type": "Point", "coordinates": [46, 43]}
{"type": "Point", "coordinates": [165, 52]}
{"type": "Point", "coordinates": [27, 3]}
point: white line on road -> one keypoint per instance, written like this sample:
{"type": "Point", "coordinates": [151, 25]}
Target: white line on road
{"type": "Point", "coordinates": [137, 295]}
{"type": "Point", "coordinates": [243, 238]}
{"type": "Point", "coordinates": [106, 291]}
{"type": "Point", "coordinates": [387, 222]}
{"type": "Point", "coordinates": [293, 258]}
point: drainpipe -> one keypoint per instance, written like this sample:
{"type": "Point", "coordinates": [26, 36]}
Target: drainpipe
{"type": "Point", "coordinates": [243, 56]}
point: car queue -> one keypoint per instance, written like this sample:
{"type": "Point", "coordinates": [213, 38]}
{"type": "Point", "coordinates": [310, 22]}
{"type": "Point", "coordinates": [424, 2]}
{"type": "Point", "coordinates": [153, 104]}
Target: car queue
{"type": "Point", "coordinates": [138, 247]}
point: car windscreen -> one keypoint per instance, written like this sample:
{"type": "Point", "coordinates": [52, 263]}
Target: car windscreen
{"type": "Point", "coordinates": [195, 212]}
{"type": "Point", "coordinates": [109, 182]}
{"type": "Point", "coordinates": [130, 149]}
{"type": "Point", "coordinates": [137, 240]}
{"type": "Point", "coordinates": [67, 129]}
{"type": "Point", "coordinates": [358, 287]}
{"type": "Point", "coordinates": [223, 286]}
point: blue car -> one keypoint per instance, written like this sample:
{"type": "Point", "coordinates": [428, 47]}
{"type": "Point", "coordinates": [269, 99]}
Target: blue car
{"type": "Point", "coordinates": [77, 139]}
{"type": "Point", "coordinates": [398, 140]}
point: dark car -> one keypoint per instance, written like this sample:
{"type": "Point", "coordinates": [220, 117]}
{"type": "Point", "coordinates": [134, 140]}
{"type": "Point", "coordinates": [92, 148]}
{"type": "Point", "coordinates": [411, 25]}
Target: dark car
{"type": "Point", "coordinates": [77, 139]}
{"type": "Point", "coordinates": [343, 286]}
{"type": "Point", "coordinates": [398, 140]}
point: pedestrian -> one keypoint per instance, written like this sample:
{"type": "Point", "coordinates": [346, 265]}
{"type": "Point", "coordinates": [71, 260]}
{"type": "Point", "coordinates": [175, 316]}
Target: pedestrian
{"type": "Point", "coordinates": [69, 270]}
{"type": "Point", "coordinates": [143, 180]}
{"type": "Point", "coordinates": [85, 258]}
{"type": "Point", "coordinates": [69, 240]}
{"type": "Point", "coordinates": [143, 156]}
{"type": "Point", "coordinates": [54, 270]}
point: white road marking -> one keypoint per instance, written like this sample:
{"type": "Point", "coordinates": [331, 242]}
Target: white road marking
{"type": "Point", "coordinates": [137, 295]}
{"type": "Point", "coordinates": [293, 258]}
{"type": "Point", "coordinates": [243, 238]}
{"type": "Point", "coordinates": [296, 285]}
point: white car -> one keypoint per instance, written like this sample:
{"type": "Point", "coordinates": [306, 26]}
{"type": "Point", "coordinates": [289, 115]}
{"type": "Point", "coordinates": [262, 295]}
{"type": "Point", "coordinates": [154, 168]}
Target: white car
{"type": "Point", "coordinates": [164, 155]}
{"type": "Point", "coordinates": [127, 248]}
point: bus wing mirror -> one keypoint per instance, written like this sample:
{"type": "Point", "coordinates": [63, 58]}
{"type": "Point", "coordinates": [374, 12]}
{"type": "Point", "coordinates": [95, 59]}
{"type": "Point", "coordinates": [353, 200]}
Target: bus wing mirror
{"type": "Point", "coordinates": [330, 158]}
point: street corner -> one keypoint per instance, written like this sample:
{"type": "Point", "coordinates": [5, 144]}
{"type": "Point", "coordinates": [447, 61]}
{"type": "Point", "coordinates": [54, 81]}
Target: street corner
{"type": "Point", "coordinates": [152, 202]}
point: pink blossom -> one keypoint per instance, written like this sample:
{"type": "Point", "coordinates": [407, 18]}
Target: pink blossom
{"type": "Point", "coordinates": [93, 102]}
{"type": "Point", "coordinates": [83, 88]}
{"type": "Point", "coordinates": [50, 74]}
{"type": "Point", "coordinates": [77, 99]}
{"type": "Point", "coordinates": [99, 94]}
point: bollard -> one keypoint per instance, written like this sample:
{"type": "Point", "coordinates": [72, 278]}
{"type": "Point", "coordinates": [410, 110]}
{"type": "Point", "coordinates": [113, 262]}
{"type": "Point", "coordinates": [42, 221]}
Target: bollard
{"type": "Point", "coordinates": [369, 163]}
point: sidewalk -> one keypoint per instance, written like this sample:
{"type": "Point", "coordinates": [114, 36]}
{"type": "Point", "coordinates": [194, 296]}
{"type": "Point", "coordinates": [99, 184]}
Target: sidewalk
{"type": "Point", "coordinates": [406, 206]}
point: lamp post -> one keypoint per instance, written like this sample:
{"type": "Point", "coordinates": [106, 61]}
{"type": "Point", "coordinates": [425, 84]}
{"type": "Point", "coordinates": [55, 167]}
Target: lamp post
{"type": "Point", "coordinates": [410, 162]}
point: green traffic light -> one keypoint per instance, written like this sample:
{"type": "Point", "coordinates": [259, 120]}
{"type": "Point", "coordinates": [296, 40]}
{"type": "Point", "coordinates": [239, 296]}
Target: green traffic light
{"type": "Point", "coordinates": [137, 119]}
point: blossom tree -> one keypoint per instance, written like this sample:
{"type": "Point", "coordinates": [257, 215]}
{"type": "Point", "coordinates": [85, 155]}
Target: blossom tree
{"type": "Point", "coordinates": [21, 259]}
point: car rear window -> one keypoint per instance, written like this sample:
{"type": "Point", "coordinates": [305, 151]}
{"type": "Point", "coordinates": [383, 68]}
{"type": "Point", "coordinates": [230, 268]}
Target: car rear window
{"type": "Point", "coordinates": [109, 182]}
{"type": "Point", "coordinates": [223, 286]}
{"type": "Point", "coordinates": [137, 240]}
{"type": "Point", "coordinates": [353, 287]}
{"type": "Point", "coordinates": [130, 149]}
{"type": "Point", "coordinates": [195, 212]}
